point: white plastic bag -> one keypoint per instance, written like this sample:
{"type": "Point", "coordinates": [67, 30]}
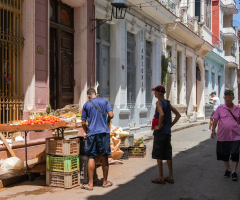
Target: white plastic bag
{"type": "Point", "coordinates": [12, 163]}
{"type": "Point", "coordinates": [19, 138]}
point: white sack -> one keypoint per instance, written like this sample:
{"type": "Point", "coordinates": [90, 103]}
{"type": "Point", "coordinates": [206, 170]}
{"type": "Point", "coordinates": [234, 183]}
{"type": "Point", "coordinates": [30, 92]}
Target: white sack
{"type": "Point", "coordinates": [12, 163]}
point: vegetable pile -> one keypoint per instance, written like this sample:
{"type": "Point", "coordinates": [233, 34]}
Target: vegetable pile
{"type": "Point", "coordinates": [42, 120]}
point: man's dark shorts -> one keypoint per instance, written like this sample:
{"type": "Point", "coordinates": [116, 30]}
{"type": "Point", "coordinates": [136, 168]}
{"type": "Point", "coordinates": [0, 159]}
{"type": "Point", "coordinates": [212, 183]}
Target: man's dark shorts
{"type": "Point", "coordinates": [212, 114]}
{"type": "Point", "coordinates": [97, 144]}
{"type": "Point", "coordinates": [227, 148]}
{"type": "Point", "coordinates": [162, 148]}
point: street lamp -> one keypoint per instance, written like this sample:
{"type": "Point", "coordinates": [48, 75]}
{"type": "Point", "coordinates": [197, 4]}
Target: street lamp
{"type": "Point", "coordinates": [119, 8]}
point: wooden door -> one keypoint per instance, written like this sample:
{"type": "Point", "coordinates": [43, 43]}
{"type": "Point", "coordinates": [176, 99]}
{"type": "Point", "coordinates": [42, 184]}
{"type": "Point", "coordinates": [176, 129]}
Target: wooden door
{"type": "Point", "coordinates": [61, 55]}
{"type": "Point", "coordinates": [66, 71]}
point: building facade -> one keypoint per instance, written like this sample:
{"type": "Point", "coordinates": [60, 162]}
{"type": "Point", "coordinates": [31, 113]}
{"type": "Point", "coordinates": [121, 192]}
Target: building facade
{"type": "Point", "coordinates": [128, 60]}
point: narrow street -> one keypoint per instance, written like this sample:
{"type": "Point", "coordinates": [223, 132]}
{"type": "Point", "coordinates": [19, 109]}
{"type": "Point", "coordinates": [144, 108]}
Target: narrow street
{"type": "Point", "coordinates": [198, 176]}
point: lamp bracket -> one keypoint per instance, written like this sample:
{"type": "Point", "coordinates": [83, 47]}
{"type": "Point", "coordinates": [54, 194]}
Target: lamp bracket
{"type": "Point", "coordinates": [107, 20]}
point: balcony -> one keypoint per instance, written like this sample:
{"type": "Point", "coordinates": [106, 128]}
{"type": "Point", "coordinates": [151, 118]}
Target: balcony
{"type": "Point", "coordinates": [229, 7]}
{"type": "Point", "coordinates": [231, 60]}
{"type": "Point", "coordinates": [229, 34]}
{"type": "Point", "coordinates": [217, 42]}
{"type": "Point", "coordinates": [190, 20]}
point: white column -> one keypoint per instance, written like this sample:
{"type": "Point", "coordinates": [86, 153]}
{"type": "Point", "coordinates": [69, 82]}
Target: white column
{"type": "Point", "coordinates": [195, 19]}
{"type": "Point", "coordinates": [28, 55]}
{"type": "Point", "coordinates": [182, 78]}
{"type": "Point", "coordinates": [174, 75]}
{"type": "Point", "coordinates": [118, 74]}
{"type": "Point", "coordinates": [140, 68]}
{"type": "Point", "coordinates": [80, 55]}
{"type": "Point", "coordinates": [235, 86]}
{"type": "Point", "coordinates": [202, 11]}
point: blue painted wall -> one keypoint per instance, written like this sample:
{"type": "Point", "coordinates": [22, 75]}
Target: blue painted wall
{"type": "Point", "coordinates": [214, 63]}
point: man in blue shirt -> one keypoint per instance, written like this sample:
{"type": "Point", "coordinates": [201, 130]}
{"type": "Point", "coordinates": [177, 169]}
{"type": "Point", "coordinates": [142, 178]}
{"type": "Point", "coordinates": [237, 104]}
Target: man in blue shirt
{"type": "Point", "coordinates": [98, 112]}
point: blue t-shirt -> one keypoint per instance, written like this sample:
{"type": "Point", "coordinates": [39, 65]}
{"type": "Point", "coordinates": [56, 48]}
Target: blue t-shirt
{"type": "Point", "coordinates": [96, 123]}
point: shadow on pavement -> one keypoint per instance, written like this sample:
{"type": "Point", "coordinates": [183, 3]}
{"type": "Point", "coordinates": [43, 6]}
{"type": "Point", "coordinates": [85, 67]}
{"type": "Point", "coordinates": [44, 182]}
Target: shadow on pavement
{"type": "Point", "coordinates": [197, 173]}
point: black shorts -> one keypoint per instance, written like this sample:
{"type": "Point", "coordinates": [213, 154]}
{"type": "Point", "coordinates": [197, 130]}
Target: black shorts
{"type": "Point", "coordinates": [162, 148]}
{"type": "Point", "coordinates": [227, 148]}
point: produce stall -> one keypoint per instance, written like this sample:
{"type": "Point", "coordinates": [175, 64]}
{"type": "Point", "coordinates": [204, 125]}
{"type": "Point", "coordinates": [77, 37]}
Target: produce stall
{"type": "Point", "coordinates": [36, 125]}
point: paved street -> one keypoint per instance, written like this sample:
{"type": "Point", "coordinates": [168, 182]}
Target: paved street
{"type": "Point", "coordinates": [198, 176]}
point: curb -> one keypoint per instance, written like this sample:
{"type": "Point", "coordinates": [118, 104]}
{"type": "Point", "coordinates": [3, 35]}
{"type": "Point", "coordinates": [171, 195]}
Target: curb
{"type": "Point", "coordinates": [178, 129]}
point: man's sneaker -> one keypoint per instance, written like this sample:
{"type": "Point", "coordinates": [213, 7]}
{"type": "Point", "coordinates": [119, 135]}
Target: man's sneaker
{"type": "Point", "coordinates": [227, 174]}
{"type": "Point", "coordinates": [234, 176]}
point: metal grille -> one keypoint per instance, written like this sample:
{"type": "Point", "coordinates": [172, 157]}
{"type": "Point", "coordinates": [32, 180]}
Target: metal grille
{"type": "Point", "coordinates": [148, 78]}
{"type": "Point", "coordinates": [131, 76]}
{"type": "Point", "coordinates": [11, 44]}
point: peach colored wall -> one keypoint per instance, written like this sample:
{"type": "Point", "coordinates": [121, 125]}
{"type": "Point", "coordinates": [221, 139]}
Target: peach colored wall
{"type": "Point", "coordinates": [41, 60]}
{"type": "Point", "coordinates": [215, 20]}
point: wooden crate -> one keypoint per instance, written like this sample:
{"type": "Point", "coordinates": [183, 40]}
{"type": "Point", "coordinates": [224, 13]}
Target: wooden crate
{"type": "Point", "coordinates": [62, 163]}
{"type": "Point", "coordinates": [62, 147]}
{"type": "Point", "coordinates": [137, 152]}
{"type": "Point", "coordinates": [63, 179]}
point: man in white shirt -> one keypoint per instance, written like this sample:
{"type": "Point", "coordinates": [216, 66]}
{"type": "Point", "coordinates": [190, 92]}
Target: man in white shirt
{"type": "Point", "coordinates": [215, 103]}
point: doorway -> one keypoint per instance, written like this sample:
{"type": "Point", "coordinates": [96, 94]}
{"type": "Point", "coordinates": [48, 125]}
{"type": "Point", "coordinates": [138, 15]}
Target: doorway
{"type": "Point", "coordinates": [61, 55]}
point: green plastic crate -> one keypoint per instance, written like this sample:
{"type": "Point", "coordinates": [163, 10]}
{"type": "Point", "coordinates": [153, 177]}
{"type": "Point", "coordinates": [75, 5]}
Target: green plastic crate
{"type": "Point", "coordinates": [62, 163]}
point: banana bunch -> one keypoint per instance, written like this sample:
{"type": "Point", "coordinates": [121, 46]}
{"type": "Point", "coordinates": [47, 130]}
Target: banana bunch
{"type": "Point", "coordinates": [69, 115]}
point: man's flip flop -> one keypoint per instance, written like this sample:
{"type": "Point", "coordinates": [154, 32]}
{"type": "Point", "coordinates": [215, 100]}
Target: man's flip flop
{"type": "Point", "coordinates": [169, 180]}
{"type": "Point", "coordinates": [87, 188]}
{"type": "Point", "coordinates": [158, 181]}
{"type": "Point", "coordinates": [107, 186]}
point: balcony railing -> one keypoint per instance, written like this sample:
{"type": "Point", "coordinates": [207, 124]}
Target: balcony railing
{"type": "Point", "coordinates": [190, 21]}
{"type": "Point", "coordinates": [217, 42]}
{"type": "Point", "coordinates": [228, 2]}
{"type": "Point", "coordinates": [229, 30]}
{"type": "Point", "coordinates": [230, 58]}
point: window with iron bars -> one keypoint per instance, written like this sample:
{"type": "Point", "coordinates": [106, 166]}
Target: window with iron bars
{"type": "Point", "coordinates": [11, 45]}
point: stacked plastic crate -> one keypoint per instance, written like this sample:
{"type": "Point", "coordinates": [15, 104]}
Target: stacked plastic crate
{"type": "Point", "coordinates": [62, 162]}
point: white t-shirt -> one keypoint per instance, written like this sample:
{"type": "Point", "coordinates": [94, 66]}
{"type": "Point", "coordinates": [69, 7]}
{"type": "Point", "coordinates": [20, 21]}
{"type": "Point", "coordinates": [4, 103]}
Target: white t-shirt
{"type": "Point", "coordinates": [216, 103]}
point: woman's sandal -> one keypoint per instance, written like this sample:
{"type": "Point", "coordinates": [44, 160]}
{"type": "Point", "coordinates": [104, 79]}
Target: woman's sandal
{"type": "Point", "coordinates": [169, 180]}
{"type": "Point", "coordinates": [107, 186]}
{"type": "Point", "coordinates": [158, 181]}
{"type": "Point", "coordinates": [87, 187]}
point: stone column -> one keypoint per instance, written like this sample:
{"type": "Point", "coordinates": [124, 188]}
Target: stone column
{"type": "Point", "coordinates": [185, 8]}
{"type": "Point", "coordinates": [80, 55]}
{"type": "Point", "coordinates": [174, 76]}
{"type": "Point", "coordinates": [235, 85]}
{"type": "Point", "coordinates": [201, 28]}
{"type": "Point", "coordinates": [195, 19]}
{"type": "Point", "coordinates": [140, 109]}
{"type": "Point", "coordinates": [28, 56]}
{"type": "Point", "coordinates": [118, 74]}
{"type": "Point", "coordinates": [178, 9]}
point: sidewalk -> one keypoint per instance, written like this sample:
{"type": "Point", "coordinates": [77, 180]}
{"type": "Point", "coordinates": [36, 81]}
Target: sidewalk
{"type": "Point", "coordinates": [12, 177]}
{"type": "Point", "coordinates": [148, 135]}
